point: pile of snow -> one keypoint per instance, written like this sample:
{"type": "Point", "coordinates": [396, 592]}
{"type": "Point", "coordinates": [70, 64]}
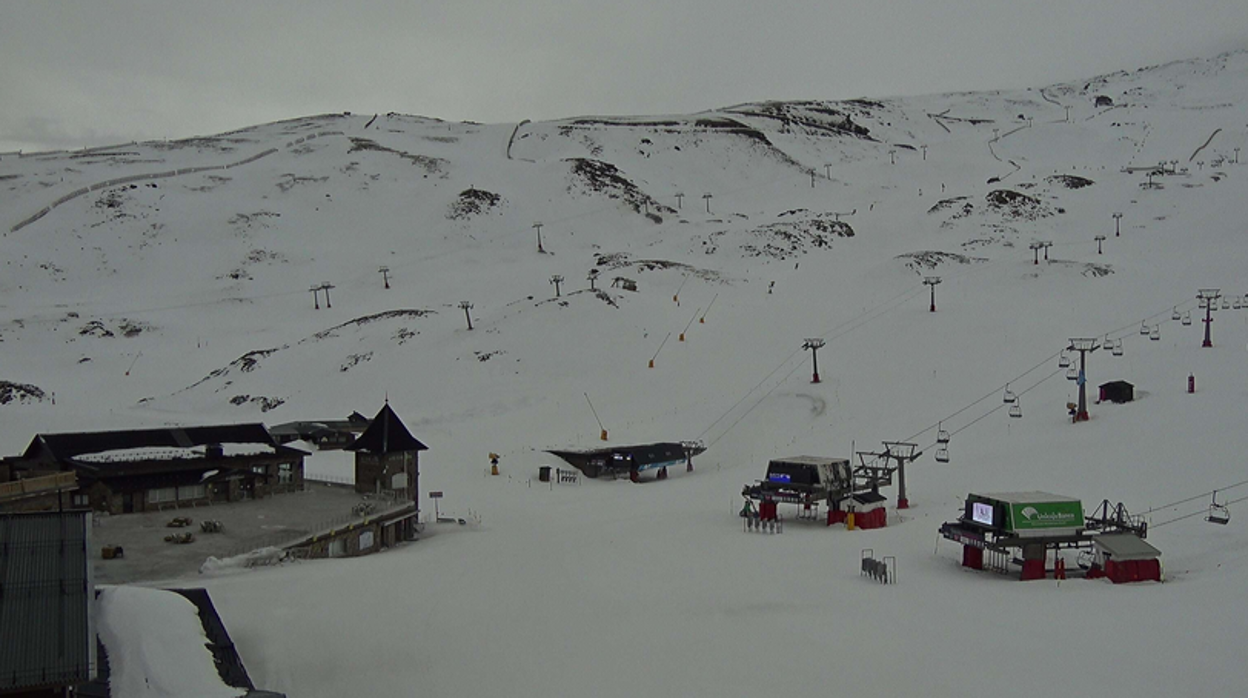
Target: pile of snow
{"type": "Point", "coordinates": [156, 646]}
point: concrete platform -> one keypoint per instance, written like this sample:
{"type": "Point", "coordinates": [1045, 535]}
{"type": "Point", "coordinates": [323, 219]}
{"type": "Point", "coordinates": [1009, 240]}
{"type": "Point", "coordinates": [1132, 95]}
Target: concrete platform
{"type": "Point", "coordinates": [249, 525]}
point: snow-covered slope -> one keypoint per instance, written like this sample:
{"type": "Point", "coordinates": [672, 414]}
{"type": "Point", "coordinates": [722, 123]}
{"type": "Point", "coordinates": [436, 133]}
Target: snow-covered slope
{"type": "Point", "coordinates": [186, 299]}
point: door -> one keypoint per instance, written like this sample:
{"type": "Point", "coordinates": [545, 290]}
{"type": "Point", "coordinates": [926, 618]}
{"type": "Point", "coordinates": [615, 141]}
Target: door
{"type": "Point", "coordinates": [127, 503]}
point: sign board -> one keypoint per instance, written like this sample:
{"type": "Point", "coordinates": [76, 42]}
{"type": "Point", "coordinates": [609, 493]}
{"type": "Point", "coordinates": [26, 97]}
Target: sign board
{"type": "Point", "coordinates": [981, 512]}
{"type": "Point", "coordinates": [435, 495]}
{"type": "Point", "coordinates": [1042, 516]}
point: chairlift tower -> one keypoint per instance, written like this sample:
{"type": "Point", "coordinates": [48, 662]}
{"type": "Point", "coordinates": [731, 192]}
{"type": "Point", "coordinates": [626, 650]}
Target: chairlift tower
{"type": "Point", "coordinates": [814, 345]}
{"type": "Point", "coordinates": [932, 281]}
{"type": "Point", "coordinates": [556, 279]}
{"type": "Point", "coordinates": [538, 227]}
{"type": "Point", "coordinates": [1035, 248]}
{"type": "Point", "coordinates": [385, 276]}
{"type": "Point", "coordinates": [466, 306]}
{"type": "Point", "coordinates": [901, 452]}
{"type": "Point", "coordinates": [1099, 239]}
{"type": "Point", "coordinates": [1209, 297]}
{"type": "Point", "coordinates": [1084, 346]}
{"type": "Point", "coordinates": [708, 197]}
{"type": "Point", "coordinates": [1117, 224]}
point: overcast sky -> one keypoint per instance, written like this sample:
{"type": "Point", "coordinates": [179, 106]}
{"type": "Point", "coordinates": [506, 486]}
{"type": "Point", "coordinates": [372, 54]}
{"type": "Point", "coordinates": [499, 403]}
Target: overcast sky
{"type": "Point", "coordinates": [76, 73]}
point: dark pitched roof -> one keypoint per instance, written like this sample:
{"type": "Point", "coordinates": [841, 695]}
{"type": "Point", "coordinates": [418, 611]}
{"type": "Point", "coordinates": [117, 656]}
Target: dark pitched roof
{"type": "Point", "coordinates": [68, 445]}
{"type": "Point", "coordinates": [386, 435]}
{"type": "Point", "coordinates": [45, 576]}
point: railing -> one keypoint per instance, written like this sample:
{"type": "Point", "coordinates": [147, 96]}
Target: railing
{"type": "Point", "coordinates": [20, 488]}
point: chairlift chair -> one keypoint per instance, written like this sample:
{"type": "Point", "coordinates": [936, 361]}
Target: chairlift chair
{"type": "Point", "coordinates": [1226, 303]}
{"type": "Point", "coordinates": [1155, 333]}
{"type": "Point", "coordinates": [1236, 305]}
{"type": "Point", "coordinates": [1176, 315]}
{"type": "Point", "coordinates": [1072, 374]}
{"type": "Point", "coordinates": [1008, 397]}
{"type": "Point", "coordinates": [1187, 318]}
{"type": "Point", "coordinates": [1144, 328]}
{"type": "Point", "coordinates": [1117, 348]}
{"type": "Point", "coordinates": [1016, 410]}
{"type": "Point", "coordinates": [1063, 362]}
{"type": "Point", "coordinates": [942, 435]}
{"type": "Point", "coordinates": [942, 455]}
{"type": "Point", "coordinates": [1218, 513]}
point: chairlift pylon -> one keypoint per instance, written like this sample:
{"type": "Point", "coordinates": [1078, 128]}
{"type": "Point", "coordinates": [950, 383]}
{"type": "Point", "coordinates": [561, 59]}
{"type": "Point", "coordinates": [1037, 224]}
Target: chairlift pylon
{"type": "Point", "coordinates": [1218, 513]}
{"type": "Point", "coordinates": [1187, 318]}
{"type": "Point", "coordinates": [1155, 333]}
{"type": "Point", "coordinates": [942, 434]}
{"type": "Point", "coordinates": [1008, 397]}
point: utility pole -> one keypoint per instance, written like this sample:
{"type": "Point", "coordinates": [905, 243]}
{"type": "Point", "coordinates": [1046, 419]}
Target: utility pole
{"type": "Point", "coordinates": [1210, 297]}
{"type": "Point", "coordinates": [593, 276]}
{"type": "Point", "coordinates": [556, 279]}
{"type": "Point", "coordinates": [814, 345]}
{"type": "Point", "coordinates": [680, 200]}
{"type": "Point", "coordinates": [385, 276]}
{"type": "Point", "coordinates": [467, 307]}
{"type": "Point", "coordinates": [1084, 346]}
{"type": "Point", "coordinates": [707, 196]}
{"type": "Point", "coordinates": [1117, 224]}
{"type": "Point", "coordinates": [1099, 239]}
{"type": "Point", "coordinates": [1035, 252]}
{"type": "Point", "coordinates": [316, 298]}
{"type": "Point", "coordinates": [538, 226]}
{"type": "Point", "coordinates": [932, 281]}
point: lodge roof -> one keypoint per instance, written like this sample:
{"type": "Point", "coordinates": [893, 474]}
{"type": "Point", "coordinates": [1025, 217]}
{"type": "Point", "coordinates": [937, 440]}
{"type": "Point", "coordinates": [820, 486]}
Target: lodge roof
{"type": "Point", "coordinates": [144, 446]}
{"type": "Point", "coordinates": [386, 434]}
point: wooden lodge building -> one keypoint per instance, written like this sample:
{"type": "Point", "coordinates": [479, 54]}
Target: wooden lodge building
{"type": "Point", "coordinates": [138, 470]}
{"type": "Point", "coordinates": [387, 458]}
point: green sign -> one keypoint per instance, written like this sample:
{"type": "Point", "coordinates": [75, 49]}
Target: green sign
{"type": "Point", "coordinates": [1044, 515]}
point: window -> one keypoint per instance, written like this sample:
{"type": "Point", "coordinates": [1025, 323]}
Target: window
{"type": "Point", "coordinates": [192, 492]}
{"type": "Point", "coordinates": [285, 473]}
{"type": "Point", "coordinates": [81, 499]}
{"type": "Point", "coordinates": [162, 494]}
{"type": "Point", "coordinates": [259, 470]}
{"type": "Point", "coordinates": [366, 540]}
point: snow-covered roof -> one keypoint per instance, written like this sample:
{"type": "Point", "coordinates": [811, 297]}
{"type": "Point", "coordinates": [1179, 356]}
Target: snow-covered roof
{"type": "Point", "coordinates": [157, 646]}
{"type": "Point", "coordinates": [146, 453]}
{"type": "Point", "coordinates": [1125, 546]}
{"type": "Point", "coordinates": [1028, 497]}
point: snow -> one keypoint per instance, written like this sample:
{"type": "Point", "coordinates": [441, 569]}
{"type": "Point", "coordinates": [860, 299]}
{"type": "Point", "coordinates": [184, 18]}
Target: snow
{"type": "Point", "coordinates": [156, 646]}
{"type": "Point", "coordinates": [145, 453]}
{"type": "Point", "coordinates": [610, 588]}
